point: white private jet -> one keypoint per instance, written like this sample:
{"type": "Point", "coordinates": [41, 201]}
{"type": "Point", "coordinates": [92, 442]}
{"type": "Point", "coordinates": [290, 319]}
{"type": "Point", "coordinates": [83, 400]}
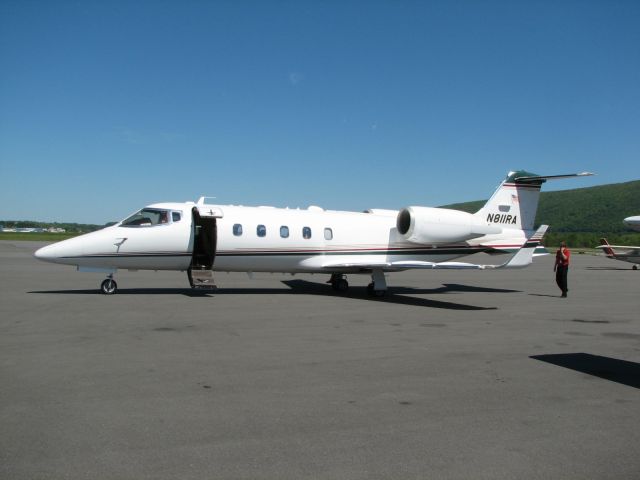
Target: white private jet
{"type": "Point", "coordinates": [201, 238]}
{"type": "Point", "coordinates": [632, 222]}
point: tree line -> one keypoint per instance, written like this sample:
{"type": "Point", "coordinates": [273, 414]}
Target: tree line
{"type": "Point", "coordinates": [69, 227]}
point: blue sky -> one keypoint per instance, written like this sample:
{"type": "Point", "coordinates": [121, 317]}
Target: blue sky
{"type": "Point", "coordinates": [111, 105]}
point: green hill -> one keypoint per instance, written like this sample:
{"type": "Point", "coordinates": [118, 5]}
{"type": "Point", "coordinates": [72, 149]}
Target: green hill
{"type": "Point", "coordinates": [583, 215]}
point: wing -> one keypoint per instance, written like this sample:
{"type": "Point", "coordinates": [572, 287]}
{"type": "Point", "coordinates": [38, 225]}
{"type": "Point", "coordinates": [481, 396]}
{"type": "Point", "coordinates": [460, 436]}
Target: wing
{"type": "Point", "coordinates": [522, 258]}
{"type": "Point", "coordinates": [621, 247]}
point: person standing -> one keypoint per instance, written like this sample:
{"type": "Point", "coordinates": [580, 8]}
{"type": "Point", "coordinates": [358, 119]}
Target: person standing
{"type": "Point", "coordinates": [561, 267]}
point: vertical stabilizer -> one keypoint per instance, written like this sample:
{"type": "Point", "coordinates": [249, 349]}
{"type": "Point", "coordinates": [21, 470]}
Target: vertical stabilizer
{"type": "Point", "coordinates": [514, 203]}
{"type": "Point", "coordinates": [604, 244]}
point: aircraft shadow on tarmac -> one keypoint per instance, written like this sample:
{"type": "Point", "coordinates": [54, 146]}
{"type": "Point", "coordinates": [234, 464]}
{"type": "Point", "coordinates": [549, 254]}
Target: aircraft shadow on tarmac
{"type": "Point", "coordinates": [396, 295]}
{"type": "Point", "coordinates": [620, 371]}
{"type": "Point", "coordinates": [618, 269]}
{"type": "Point", "coordinates": [135, 291]}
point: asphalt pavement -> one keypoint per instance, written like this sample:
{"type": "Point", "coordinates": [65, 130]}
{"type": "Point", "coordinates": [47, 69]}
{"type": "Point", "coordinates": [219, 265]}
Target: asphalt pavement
{"type": "Point", "coordinates": [454, 375]}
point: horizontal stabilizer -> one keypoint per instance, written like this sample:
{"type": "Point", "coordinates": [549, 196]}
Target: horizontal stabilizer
{"type": "Point", "coordinates": [541, 178]}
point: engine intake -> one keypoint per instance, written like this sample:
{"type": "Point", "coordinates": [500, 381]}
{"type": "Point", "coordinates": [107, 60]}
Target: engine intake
{"type": "Point", "coordinates": [429, 225]}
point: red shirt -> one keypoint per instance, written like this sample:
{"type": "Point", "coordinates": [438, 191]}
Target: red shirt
{"type": "Point", "coordinates": [562, 261]}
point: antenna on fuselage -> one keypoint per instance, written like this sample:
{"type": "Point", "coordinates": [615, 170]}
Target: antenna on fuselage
{"type": "Point", "coordinates": [201, 200]}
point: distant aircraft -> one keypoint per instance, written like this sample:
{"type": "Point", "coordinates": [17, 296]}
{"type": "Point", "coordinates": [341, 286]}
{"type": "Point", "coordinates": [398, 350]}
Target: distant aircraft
{"type": "Point", "coordinates": [621, 252]}
{"type": "Point", "coordinates": [200, 238]}
{"type": "Point", "coordinates": [633, 222]}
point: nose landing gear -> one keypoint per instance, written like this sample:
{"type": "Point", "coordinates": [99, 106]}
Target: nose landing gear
{"type": "Point", "coordinates": [109, 285]}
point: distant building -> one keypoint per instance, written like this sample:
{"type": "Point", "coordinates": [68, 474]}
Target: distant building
{"type": "Point", "coordinates": [31, 229]}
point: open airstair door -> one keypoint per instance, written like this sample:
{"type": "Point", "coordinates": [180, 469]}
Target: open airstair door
{"type": "Point", "coordinates": [205, 237]}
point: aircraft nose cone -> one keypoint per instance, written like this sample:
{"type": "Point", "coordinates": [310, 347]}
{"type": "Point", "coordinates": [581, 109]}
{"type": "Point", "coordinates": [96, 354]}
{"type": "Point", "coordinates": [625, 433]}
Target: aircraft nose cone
{"type": "Point", "coordinates": [45, 253]}
{"type": "Point", "coordinates": [65, 252]}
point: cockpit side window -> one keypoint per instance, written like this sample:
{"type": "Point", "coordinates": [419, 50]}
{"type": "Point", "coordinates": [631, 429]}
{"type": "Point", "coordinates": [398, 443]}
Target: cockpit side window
{"type": "Point", "coordinates": [147, 217]}
{"type": "Point", "coordinates": [176, 216]}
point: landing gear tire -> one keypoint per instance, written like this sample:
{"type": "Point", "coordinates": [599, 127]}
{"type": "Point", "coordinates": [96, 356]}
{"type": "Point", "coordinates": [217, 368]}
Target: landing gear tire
{"type": "Point", "coordinates": [109, 286]}
{"type": "Point", "coordinates": [339, 282]}
{"type": "Point", "coordinates": [340, 285]}
{"type": "Point", "coordinates": [375, 293]}
{"type": "Point", "coordinates": [635, 267]}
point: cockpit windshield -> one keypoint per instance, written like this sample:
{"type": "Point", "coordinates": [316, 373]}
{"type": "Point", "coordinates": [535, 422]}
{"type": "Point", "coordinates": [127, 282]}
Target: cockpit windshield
{"type": "Point", "coordinates": [147, 217]}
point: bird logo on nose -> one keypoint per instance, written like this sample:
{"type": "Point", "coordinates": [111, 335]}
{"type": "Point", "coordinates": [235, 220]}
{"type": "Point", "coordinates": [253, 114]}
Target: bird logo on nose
{"type": "Point", "coordinates": [119, 244]}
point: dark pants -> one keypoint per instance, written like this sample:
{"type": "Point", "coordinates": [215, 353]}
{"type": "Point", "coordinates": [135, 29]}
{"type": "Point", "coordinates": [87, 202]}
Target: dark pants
{"type": "Point", "coordinates": [561, 277]}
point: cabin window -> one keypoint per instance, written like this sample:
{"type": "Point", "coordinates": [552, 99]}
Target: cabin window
{"type": "Point", "coordinates": [284, 231]}
{"type": "Point", "coordinates": [328, 234]}
{"type": "Point", "coordinates": [261, 230]}
{"type": "Point", "coordinates": [306, 232]}
{"type": "Point", "coordinates": [237, 229]}
{"type": "Point", "coordinates": [176, 216]}
{"type": "Point", "coordinates": [147, 217]}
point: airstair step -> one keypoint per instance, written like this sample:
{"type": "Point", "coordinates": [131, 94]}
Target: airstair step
{"type": "Point", "coordinates": [202, 279]}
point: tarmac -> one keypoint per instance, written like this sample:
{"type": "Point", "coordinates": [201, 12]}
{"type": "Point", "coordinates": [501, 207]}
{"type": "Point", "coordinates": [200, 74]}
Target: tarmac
{"type": "Point", "coordinates": [454, 375]}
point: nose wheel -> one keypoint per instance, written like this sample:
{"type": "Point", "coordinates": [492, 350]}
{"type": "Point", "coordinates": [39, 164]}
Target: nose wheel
{"type": "Point", "coordinates": [109, 286]}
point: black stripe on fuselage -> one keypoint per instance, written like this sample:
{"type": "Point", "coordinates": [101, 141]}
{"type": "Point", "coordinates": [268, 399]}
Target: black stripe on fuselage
{"type": "Point", "coordinates": [132, 255]}
{"type": "Point", "coordinates": [276, 253]}
{"type": "Point", "coordinates": [304, 253]}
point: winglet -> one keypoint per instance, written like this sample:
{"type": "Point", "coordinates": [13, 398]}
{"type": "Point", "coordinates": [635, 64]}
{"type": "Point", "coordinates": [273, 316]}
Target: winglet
{"type": "Point", "coordinates": [524, 256]}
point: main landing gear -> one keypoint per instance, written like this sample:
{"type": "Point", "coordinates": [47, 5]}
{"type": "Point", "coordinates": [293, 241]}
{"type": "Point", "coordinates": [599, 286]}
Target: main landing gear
{"type": "Point", "coordinates": [109, 285]}
{"type": "Point", "coordinates": [339, 282]}
{"type": "Point", "coordinates": [377, 287]}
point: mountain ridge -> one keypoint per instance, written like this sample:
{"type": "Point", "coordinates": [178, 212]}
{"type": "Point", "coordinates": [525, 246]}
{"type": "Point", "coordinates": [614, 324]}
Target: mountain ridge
{"type": "Point", "coordinates": [599, 209]}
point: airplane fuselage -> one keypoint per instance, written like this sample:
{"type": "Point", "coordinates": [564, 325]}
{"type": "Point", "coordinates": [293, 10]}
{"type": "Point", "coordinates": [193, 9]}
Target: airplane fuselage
{"type": "Point", "coordinates": [262, 239]}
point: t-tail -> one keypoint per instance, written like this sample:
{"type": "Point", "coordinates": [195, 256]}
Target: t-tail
{"type": "Point", "coordinates": [514, 204]}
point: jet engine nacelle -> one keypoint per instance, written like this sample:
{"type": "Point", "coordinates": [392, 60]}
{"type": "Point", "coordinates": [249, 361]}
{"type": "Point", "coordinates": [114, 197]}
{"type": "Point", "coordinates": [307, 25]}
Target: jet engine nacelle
{"type": "Point", "coordinates": [429, 225]}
